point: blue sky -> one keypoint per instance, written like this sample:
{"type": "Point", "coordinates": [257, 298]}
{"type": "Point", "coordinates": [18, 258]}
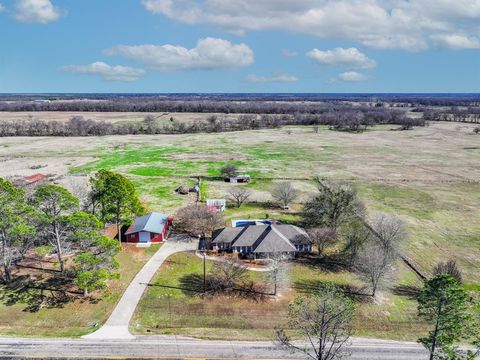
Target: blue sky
{"type": "Point", "coordinates": [239, 46]}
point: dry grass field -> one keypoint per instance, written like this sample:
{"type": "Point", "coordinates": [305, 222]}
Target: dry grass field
{"type": "Point", "coordinates": [427, 176]}
{"type": "Point", "coordinates": [110, 117]}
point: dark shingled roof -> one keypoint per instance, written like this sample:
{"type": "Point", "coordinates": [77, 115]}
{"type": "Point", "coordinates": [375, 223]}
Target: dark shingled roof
{"type": "Point", "coordinates": [274, 241]}
{"type": "Point", "coordinates": [226, 235]}
{"type": "Point", "coordinates": [250, 235]}
{"type": "Point", "coordinates": [296, 235]}
{"type": "Point", "coordinates": [263, 238]}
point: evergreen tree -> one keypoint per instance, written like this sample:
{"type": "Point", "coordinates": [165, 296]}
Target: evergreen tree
{"type": "Point", "coordinates": [114, 198]}
{"type": "Point", "coordinates": [448, 307]}
{"type": "Point", "coordinates": [56, 205]}
{"type": "Point", "coordinates": [16, 228]}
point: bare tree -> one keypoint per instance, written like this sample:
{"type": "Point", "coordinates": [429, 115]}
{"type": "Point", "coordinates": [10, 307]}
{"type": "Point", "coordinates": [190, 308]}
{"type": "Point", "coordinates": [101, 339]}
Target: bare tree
{"type": "Point", "coordinates": [448, 268]}
{"type": "Point", "coordinates": [374, 266]}
{"type": "Point", "coordinates": [285, 193]}
{"type": "Point", "coordinates": [239, 195]}
{"type": "Point", "coordinates": [197, 220]}
{"type": "Point", "coordinates": [375, 261]}
{"type": "Point", "coordinates": [278, 275]}
{"type": "Point", "coordinates": [227, 275]}
{"type": "Point", "coordinates": [325, 320]}
{"type": "Point", "coordinates": [388, 231]}
{"type": "Point", "coordinates": [322, 237]}
{"type": "Point", "coordinates": [79, 187]}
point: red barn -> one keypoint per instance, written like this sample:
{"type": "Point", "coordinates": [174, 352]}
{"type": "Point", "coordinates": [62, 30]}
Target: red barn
{"type": "Point", "coordinates": [150, 228]}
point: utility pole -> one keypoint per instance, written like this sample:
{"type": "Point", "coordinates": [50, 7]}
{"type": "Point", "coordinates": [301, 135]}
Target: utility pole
{"type": "Point", "coordinates": [204, 273]}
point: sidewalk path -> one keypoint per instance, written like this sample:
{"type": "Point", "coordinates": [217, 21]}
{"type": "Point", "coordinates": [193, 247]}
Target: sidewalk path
{"type": "Point", "coordinates": [116, 326]}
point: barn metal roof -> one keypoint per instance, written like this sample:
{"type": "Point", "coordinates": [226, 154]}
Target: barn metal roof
{"type": "Point", "coordinates": [152, 222]}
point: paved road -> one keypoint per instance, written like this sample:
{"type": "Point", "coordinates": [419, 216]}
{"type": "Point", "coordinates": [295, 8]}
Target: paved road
{"type": "Point", "coordinates": [169, 347]}
{"type": "Point", "coordinates": [116, 327]}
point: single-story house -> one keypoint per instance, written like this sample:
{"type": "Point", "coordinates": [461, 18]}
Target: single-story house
{"type": "Point", "coordinates": [150, 228]}
{"type": "Point", "coordinates": [259, 241]}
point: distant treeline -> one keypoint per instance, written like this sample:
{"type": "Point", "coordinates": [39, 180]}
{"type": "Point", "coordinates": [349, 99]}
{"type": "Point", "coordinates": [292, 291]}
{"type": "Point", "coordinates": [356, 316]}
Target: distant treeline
{"type": "Point", "coordinates": [351, 120]}
{"type": "Point", "coordinates": [181, 106]}
{"type": "Point", "coordinates": [392, 98]}
{"type": "Point", "coordinates": [470, 114]}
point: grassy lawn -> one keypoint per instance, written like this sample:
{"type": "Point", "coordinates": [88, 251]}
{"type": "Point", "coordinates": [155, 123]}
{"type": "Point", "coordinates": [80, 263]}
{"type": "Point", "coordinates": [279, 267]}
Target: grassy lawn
{"type": "Point", "coordinates": [171, 307]}
{"type": "Point", "coordinates": [73, 318]}
{"type": "Point", "coordinates": [391, 316]}
{"type": "Point", "coordinates": [439, 219]}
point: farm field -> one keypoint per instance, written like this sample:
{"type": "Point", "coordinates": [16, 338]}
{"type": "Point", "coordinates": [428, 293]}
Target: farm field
{"type": "Point", "coordinates": [109, 117]}
{"type": "Point", "coordinates": [427, 176]}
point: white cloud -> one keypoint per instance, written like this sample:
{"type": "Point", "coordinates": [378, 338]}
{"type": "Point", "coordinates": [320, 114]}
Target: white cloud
{"type": "Point", "coordinates": [289, 53]}
{"type": "Point", "coordinates": [387, 24]}
{"type": "Point", "coordinates": [350, 57]}
{"type": "Point", "coordinates": [209, 53]}
{"type": "Point", "coordinates": [36, 11]}
{"type": "Point", "coordinates": [108, 72]}
{"type": "Point", "coordinates": [2, 8]}
{"type": "Point", "coordinates": [275, 78]}
{"type": "Point", "coordinates": [457, 42]}
{"type": "Point", "coordinates": [352, 76]}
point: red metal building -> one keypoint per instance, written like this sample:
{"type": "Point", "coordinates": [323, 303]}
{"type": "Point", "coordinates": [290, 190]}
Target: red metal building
{"type": "Point", "coordinates": [150, 228]}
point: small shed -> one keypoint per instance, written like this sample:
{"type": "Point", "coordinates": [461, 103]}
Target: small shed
{"type": "Point", "coordinates": [35, 179]}
{"type": "Point", "coordinates": [150, 228]}
{"type": "Point", "coordinates": [245, 178]}
{"type": "Point", "coordinates": [219, 205]}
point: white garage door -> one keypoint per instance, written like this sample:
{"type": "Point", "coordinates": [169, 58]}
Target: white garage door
{"type": "Point", "coordinates": [144, 237]}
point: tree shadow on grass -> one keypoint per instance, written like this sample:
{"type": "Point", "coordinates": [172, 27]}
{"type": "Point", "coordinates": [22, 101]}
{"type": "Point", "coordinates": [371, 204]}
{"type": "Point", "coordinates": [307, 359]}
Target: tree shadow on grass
{"type": "Point", "coordinates": [37, 293]}
{"type": "Point", "coordinates": [193, 285]}
{"type": "Point", "coordinates": [410, 291]}
{"type": "Point", "coordinates": [356, 293]}
{"type": "Point", "coordinates": [329, 263]}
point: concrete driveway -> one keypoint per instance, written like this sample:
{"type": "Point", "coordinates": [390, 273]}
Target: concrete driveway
{"type": "Point", "coordinates": [116, 327]}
